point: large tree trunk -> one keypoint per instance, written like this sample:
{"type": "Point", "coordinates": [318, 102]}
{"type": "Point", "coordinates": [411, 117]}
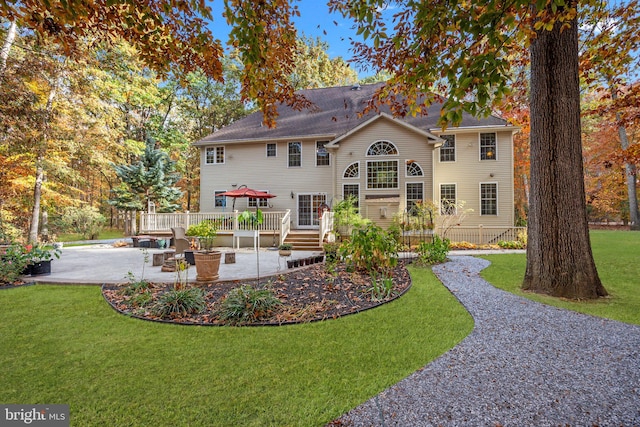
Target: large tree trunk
{"type": "Point", "coordinates": [559, 258]}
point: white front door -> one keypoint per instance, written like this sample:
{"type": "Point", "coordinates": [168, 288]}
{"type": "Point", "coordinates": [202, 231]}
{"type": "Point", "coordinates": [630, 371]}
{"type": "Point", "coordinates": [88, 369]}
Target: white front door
{"type": "Point", "coordinates": [308, 204]}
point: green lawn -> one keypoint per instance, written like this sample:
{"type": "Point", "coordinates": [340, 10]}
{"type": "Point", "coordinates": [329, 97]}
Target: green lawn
{"type": "Point", "coordinates": [617, 255]}
{"type": "Point", "coordinates": [64, 344]}
{"type": "Point", "coordinates": [107, 233]}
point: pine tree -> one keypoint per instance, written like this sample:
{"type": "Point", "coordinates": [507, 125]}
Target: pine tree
{"type": "Point", "coordinates": [149, 179]}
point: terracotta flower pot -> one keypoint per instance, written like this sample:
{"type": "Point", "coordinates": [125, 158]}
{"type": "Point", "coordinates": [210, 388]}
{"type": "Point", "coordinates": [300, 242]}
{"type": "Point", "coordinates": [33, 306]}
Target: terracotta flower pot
{"type": "Point", "coordinates": [207, 266]}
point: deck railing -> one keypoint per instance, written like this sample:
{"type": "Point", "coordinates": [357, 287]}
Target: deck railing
{"type": "Point", "coordinates": [285, 226]}
{"type": "Point", "coordinates": [326, 225]}
{"type": "Point", "coordinates": [280, 222]}
{"type": "Point", "coordinates": [229, 221]}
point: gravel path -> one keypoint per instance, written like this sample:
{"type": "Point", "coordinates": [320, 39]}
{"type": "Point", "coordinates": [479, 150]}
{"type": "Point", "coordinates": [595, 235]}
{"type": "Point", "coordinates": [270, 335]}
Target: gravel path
{"type": "Point", "coordinates": [524, 364]}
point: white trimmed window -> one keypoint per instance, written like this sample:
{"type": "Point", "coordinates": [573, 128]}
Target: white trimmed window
{"type": "Point", "coordinates": [352, 171]}
{"type": "Point", "coordinates": [214, 155]}
{"type": "Point", "coordinates": [258, 203]}
{"type": "Point", "coordinates": [488, 198]}
{"type": "Point", "coordinates": [448, 149]}
{"type": "Point", "coordinates": [349, 190]}
{"type": "Point", "coordinates": [322, 155]}
{"type": "Point", "coordinates": [447, 199]}
{"type": "Point", "coordinates": [272, 149]}
{"type": "Point", "coordinates": [413, 169]}
{"type": "Point", "coordinates": [415, 193]}
{"type": "Point", "coordinates": [218, 200]}
{"type": "Point", "coordinates": [382, 174]}
{"type": "Point", "coordinates": [382, 148]}
{"type": "Point", "coordinates": [488, 146]}
{"type": "Point", "coordinates": [295, 154]}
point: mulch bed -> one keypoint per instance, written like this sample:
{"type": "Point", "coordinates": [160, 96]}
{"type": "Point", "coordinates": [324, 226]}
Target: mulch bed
{"type": "Point", "coordinates": [307, 294]}
{"type": "Point", "coordinates": [17, 284]}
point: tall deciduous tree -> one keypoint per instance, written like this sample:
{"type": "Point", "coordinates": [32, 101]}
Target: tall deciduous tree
{"type": "Point", "coordinates": [610, 44]}
{"type": "Point", "coordinates": [313, 68]}
{"type": "Point", "coordinates": [168, 33]}
{"type": "Point", "coordinates": [460, 52]}
{"type": "Point", "coordinates": [559, 258]}
{"type": "Point", "coordinates": [149, 179]}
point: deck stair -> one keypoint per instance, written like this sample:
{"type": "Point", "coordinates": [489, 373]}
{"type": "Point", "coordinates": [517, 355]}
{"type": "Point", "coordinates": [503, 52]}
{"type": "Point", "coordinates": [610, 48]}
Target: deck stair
{"type": "Point", "coordinates": [304, 240]}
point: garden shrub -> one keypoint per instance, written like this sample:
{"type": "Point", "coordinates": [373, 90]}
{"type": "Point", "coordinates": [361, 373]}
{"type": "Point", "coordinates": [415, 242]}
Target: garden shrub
{"type": "Point", "coordinates": [179, 302]}
{"type": "Point", "coordinates": [511, 244]}
{"type": "Point", "coordinates": [135, 287]}
{"type": "Point", "coordinates": [141, 299]}
{"type": "Point", "coordinates": [85, 220]}
{"type": "Point", "coordinates": [248, 304]}
{"type": "Point", "coordinates": [13, 263]}
{"type": "Point", "coordinates": [371, 249]}
{"type": "Point", "coordinates": [346, 217]}
{"type": "Point", "coordinates": [519, 243]}
{"type": "Point", "coordinates": [433, 252]}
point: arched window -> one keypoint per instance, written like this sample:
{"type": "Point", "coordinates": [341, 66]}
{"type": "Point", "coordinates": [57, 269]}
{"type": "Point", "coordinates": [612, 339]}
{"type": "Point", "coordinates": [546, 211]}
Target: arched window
{"type": "Point", "coordinates": [382, 148]}
{"type": "Point", "coordinates": [352, 171]}
{"type": "Point", "coordinates": [414, 169]}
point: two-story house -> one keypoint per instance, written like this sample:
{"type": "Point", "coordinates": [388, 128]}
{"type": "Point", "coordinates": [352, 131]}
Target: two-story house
{"type": "Point", "coordinates": [330, 152]}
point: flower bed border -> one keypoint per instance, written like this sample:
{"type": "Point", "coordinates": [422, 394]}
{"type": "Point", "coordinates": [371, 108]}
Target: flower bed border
{"type": "Point", "coordinates": [262, 323]}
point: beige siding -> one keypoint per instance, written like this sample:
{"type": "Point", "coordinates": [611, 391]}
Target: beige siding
{"type": "Point", "coordinates": [411, 146]}
{"type": "Point", "coordinates": [468, 171]}
{"type": "Point", "coordinates": [248, 164]}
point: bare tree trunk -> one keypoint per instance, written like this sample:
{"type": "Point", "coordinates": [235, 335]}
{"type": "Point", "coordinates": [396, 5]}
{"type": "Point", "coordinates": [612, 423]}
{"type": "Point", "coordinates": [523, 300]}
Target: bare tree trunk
{"type": "Point", "coordinates": [6, 48]}
{"type": "Point", "coordinates": [42, 149]}
{"type": "Point", "coordinates": [37, 196]}
{"type": "Point", "coordinates": [559, 257]}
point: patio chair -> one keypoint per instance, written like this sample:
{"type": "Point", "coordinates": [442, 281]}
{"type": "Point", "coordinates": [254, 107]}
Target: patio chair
{"type": "Point", "coordinates": [180, 240]}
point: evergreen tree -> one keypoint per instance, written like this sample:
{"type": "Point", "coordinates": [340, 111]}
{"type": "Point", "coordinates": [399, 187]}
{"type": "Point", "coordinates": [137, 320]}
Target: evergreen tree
{"type": "Point", "coordinates": [149, 179]}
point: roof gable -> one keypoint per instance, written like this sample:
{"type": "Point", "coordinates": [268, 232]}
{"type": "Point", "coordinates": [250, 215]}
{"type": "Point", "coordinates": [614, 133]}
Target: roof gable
{"type": "Point", "coordinates": [384, 116]}
{"type": "Point", "coordinates": [337, 112]}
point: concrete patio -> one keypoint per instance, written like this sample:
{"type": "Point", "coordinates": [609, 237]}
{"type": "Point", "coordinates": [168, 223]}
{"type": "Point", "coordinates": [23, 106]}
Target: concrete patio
{"type": "Point", "coordinates": [103, 263]}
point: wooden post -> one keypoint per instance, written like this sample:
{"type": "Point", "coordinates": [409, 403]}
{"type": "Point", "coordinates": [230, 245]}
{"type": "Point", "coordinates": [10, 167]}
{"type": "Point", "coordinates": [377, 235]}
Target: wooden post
{"type": "Point", "coordinates": [158, 259]}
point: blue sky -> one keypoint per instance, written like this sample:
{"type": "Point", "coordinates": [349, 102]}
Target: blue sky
{"type": "Point", "coordinates": [315, 21]}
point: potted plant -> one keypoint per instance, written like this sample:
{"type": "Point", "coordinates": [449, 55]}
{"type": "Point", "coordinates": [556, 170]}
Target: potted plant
{"type": "Point", "coordinates": [40, 257]}
{"type": "Point", "coordinates": [207, 260]}
{"type": "Point", "coordinates": [285, 249]}
{"type": "Point", "coordinates": [252, 219]}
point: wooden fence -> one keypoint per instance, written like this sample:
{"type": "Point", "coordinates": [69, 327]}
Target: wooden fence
{"type": "Point", "coordinates": [481, 235]}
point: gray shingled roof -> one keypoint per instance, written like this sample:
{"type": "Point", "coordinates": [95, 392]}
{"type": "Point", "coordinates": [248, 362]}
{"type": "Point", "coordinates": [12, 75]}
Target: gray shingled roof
{"type": "Point", "coordinates": [335, 114]}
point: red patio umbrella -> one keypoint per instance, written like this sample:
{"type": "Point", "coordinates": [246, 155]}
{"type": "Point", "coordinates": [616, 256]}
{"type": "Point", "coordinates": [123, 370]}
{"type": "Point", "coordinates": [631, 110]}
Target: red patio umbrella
{"type": "Point", "coordinates": [244, 191]}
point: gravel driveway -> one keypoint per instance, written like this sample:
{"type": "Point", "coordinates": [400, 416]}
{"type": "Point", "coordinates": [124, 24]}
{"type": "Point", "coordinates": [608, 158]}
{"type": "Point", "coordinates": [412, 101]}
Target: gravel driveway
{"type": "Point", "coordinates": [524, 364]}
